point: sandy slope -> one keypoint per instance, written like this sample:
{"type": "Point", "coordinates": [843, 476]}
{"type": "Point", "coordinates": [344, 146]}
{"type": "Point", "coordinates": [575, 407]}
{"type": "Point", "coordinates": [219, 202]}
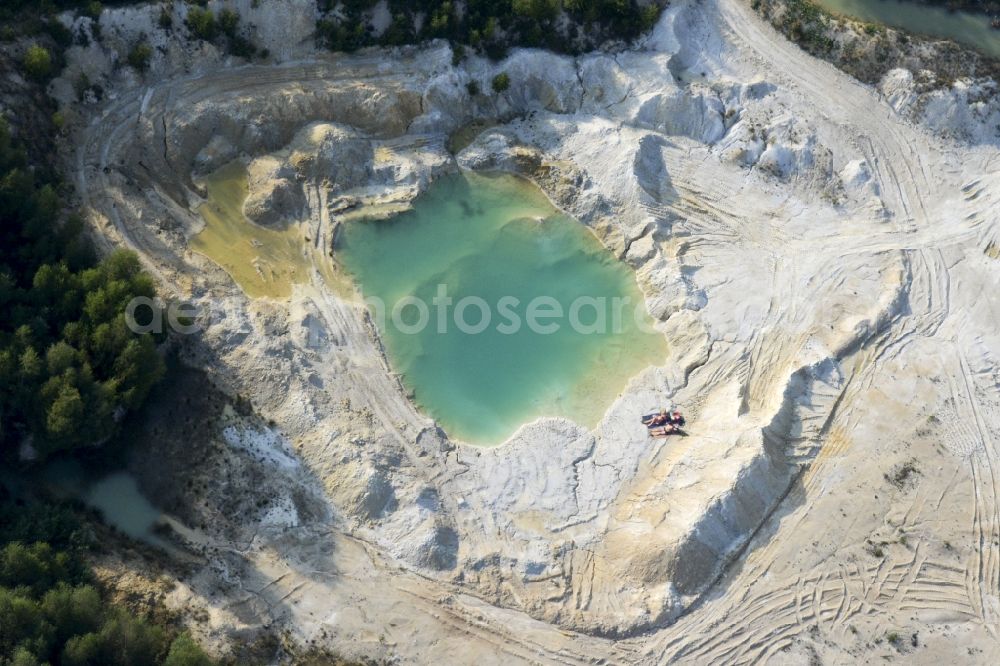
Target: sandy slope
{"type": "Point", "coordinates": [822, 268]}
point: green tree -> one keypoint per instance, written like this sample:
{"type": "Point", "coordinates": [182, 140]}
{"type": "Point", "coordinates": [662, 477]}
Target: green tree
{"type": "Point", "coordinates": [501, 82]}
{"type": "Point", "coordinates": [22, 657]}
{"type": "Point", "coordinates": [83, 650]}
{"type": "Point", "coordinates": [94, 9]}
{"type": "Point", "coordinates": [537, 10]}
{"type": "Point", "coordinates": [38, 62]}
{"type": "Point", "coordinates": [185, 652]}
{"type": "Point", "coordinates": [31, 365]}
{"type": "Point", "coordinates": [228, 22]}
{"type": "Point", "coordinates": [75, 410]}
{"type": "Point", "coordinates": [36, 567]}
{"type": "Point", "coordinates": [139, 56]}
{"type": "Point", "coordinates": [440, 20]}
{"type": "Point", "coordinates": [72, 610]}
{"type": "Point", "coordinates": [201, 23]}
{"type": "Point", "coordinates": [20, 619]}
{"type": "Point", "coordinates": [122, 640]}
{"type": "Point", "coordinates": [57, 293]}
{"type": "Point", "coordinates": [66, 414]}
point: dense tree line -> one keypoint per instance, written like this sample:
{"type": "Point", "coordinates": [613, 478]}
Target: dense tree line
{"type": "Point", "coordinates": [69, 370]}
{"type": "Point", "coordinates": [69, 365]}
{"type": "Point", "coordinates": [491, 26]}
{"type": "Point", "coordinates": [222, 27]}
{"type": "Point", "coordinates": [488, 26]}
{"type": "Point", "coordinates": [30, 17]}
{"type": "Point", "coordinates": [53, 612]}
{"type": "Point", "coordinates": [43, 8]}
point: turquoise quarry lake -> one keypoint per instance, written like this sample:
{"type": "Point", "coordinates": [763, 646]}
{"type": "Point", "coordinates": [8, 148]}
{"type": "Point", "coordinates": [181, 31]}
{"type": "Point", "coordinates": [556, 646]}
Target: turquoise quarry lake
{"type": "Point", "coordinates": [542, 320]}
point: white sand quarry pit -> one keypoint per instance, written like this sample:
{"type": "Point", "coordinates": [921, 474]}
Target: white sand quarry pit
{"type": "Point", "coordinates": [819, 266]}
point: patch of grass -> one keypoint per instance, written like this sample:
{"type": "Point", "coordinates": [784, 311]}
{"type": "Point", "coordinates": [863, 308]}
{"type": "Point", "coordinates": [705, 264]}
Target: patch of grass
{"type": "Point", "coordinates": [876, 549]}
{"type": "Point", "coordinates": [466, 134]}
{"type": "Point", "coordinates": [901, 474]}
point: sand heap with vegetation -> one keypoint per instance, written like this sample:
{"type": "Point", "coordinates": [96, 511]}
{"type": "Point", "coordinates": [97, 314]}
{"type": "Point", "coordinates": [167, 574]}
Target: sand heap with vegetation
{"type": "Point", "coordinates": [821, 268]}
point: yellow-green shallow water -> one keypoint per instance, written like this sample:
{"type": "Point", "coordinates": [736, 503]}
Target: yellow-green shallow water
{"type": "Point", "coordinates": [264, 262]}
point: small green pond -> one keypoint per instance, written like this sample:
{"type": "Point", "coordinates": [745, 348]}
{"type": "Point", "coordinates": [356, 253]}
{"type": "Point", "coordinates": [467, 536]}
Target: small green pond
{"type": "Point", "coordinates": [485, 366]}
{"type": "Point", "coordinates": [116, 496]}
